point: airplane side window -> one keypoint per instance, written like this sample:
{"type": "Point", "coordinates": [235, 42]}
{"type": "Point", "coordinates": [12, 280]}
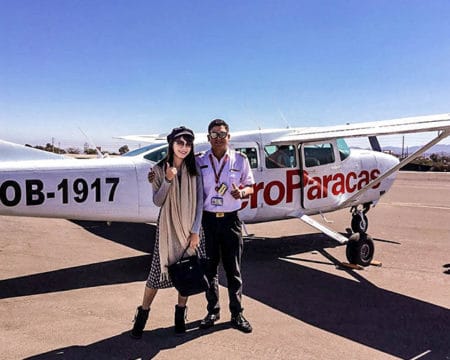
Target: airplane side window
{"type": "Point", "coordinates": [282, 156]}
{"type": "Point", "coordinates": [318, 154]}
{"type": "Point", "coordinates": [251, 154]}
{"type": "Point", "coordinates": [157, 155]}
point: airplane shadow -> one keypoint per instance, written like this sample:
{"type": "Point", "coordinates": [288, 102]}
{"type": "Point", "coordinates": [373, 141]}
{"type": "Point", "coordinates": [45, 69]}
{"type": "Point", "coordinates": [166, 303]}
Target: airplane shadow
{"type": "Point", "coordinates": [357, 310]}
{"type": "Point", "coordinates": [137, 236]}
{"type": "Point", "coordinates": [118, 271]}
{"type": "Point", "coordinates": [134, 235]}
{"type": "Point", "coordinates": [351, 308]}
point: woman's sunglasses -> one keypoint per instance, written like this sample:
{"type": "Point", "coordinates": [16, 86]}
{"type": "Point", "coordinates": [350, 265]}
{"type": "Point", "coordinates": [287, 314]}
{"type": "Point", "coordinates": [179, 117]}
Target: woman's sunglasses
{"type": "Point", "coordinates": [183, 143]}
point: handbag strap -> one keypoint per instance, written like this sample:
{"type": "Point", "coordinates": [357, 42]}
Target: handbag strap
{"type": "Point", "coordinates": [184, 252]}
{"type": "Point", "coordinates": [197, 251]}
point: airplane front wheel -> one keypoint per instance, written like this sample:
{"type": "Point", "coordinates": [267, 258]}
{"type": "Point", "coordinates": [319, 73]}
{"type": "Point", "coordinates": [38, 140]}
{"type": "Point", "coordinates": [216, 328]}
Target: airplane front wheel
{"type": "Point", "coordinates": [360, 249]}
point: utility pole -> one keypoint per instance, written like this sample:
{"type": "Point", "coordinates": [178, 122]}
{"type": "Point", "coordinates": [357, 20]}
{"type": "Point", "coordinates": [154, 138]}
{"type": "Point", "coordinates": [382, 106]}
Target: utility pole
{"type": "Point", "coordinates": [403, 146]}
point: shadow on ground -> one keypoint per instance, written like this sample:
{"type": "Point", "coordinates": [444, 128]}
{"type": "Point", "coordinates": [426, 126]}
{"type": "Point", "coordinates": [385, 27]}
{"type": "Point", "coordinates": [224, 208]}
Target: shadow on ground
{"type": "Point", "coordinates": [351, 308]}
{"type": "Point", "coordinates": [122, 346]}
{"type": "Point", "coordinates": [138, 236]}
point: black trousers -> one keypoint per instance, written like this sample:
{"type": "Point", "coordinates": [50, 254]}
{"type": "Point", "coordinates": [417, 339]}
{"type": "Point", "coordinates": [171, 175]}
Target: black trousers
{"type": "Point", "coordinates": [223, 240]}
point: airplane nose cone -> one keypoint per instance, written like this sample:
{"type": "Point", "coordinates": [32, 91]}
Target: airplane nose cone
{"type": "Point", "coordinates": [386, 161]}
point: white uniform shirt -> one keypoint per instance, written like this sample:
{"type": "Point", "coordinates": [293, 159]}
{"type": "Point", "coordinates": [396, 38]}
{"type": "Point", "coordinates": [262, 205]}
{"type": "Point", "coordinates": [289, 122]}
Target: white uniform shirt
{"type": "Point", "coordinates": [236, 170]}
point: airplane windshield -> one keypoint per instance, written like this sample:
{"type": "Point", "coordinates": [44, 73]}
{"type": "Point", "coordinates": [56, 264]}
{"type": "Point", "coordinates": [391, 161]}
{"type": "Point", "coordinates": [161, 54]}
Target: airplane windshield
{"type": "Point", "coordinates": [157, 152]}
{"type": "Point", "coordinates": [344, 150]}
{"type": "Point", "coordinates": [144, 149]}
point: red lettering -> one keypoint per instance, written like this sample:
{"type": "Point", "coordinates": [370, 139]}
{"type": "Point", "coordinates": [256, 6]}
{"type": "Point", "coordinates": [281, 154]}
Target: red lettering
{"type": "Point", "coordinates": [315, 191]}
{"type": "Point", "coordinates": [365, 179]}
{"type": "Point", "coordinates": [339, 185]}
{"type": "Point", "coordinates": [290, 185]}
{"type": "Point", "coordinates": [267, 191]}
{"type": "Point", "coordinates": [305, 179]}
{"type": "Point", "coordinates": [373, 175]}
{"type": "Point", "coordinates": [275, 192]}
{"type": "Point", "coordinates": [326, 180]}
{"type": "Point", "coordinates": [348, 187]}
{"type": "Point", "coordinates": [254, 196]}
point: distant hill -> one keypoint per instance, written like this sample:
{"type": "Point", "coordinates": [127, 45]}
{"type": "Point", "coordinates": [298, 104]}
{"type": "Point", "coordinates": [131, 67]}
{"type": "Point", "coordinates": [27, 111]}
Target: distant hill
{"type": "Point", "coordinates": [436, 149]}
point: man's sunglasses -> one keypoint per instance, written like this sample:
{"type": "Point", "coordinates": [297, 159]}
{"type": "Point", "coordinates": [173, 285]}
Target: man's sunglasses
{"type": "Point", "coordinates": [220, 135]}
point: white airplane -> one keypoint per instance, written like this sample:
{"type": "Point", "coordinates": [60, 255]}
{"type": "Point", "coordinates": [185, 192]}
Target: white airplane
{"type": "Point", "coordinates": [299, 172]}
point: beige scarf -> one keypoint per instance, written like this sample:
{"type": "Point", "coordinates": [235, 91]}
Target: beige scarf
{"type": "Point", "coordinates": [176, 218]}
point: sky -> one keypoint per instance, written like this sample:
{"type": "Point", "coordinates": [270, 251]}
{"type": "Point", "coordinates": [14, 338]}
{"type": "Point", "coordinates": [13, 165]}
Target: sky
{"type": "Point", "coordinates": [107, 68]}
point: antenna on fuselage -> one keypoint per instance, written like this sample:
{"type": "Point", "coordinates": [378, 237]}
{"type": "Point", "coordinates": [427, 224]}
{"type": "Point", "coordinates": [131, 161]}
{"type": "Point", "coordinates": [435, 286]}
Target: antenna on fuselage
{"type": "Point", "coordinates": [91, 143]}
{"type": "Point", "coordinates": [284, 119]}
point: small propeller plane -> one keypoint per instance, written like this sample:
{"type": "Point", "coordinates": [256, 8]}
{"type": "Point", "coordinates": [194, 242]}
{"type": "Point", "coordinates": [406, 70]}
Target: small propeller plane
{"type": "Point", "coordinates": [298, 172]}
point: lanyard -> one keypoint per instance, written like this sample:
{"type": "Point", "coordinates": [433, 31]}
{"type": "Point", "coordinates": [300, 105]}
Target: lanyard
{"type": "Point", "coordinates": [217, 174]}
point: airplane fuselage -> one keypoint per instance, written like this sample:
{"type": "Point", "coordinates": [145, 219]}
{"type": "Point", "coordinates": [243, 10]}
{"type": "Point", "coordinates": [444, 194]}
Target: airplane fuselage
{"type": "Point", "coordinates": [314, 178]}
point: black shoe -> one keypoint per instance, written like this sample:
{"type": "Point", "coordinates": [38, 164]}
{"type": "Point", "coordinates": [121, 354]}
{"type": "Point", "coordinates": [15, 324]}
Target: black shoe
{"type": "Point", "coordinates": [209, 321]}
{"type": "Point", "coordinates": [239, 322]}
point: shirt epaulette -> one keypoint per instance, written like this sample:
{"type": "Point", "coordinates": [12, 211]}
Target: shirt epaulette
{"type": "Point", "coordinates": [242, 154]}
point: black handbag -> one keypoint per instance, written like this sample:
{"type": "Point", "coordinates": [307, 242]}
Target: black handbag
{"type": "Point", "coordinates": [188, 275]}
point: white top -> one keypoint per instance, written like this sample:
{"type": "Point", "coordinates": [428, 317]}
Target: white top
{"type": "Point", "coordinates": [233, 168]}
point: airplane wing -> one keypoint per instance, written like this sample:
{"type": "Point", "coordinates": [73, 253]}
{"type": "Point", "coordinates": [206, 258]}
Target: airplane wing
{"type": "Point", "coordinates": [152, 138]}
{"type": "Point", "coordinates": [13, 152]}
{"type": "Point", "coordinates": [157, 138]}
{"type": "Point", "coordinates": [440, 122]}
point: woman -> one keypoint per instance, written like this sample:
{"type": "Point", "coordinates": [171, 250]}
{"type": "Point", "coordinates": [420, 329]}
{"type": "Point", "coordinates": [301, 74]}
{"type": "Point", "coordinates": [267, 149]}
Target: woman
{"type": "Point", "coordinates": [177, 189]}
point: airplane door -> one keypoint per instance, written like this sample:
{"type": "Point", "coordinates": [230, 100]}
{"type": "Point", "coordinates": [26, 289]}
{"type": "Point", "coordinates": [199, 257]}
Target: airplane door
{"type": "Point", "coordinates": [277, 189]}
{"type": "Point", "coordinates": [322, 178]}
{"type": "Point", "coordinates": [251, 150]}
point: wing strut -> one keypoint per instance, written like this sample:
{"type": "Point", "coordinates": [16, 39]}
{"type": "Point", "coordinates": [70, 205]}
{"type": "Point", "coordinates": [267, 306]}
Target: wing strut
{"type": "Point", "coordinates": [322, 228]}
{"type": "Point", "coordinates": [374, 143]}
{"type": "Point", "coordinates": [402, 163]}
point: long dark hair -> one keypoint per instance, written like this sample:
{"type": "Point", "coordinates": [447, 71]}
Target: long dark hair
{"type": "Point", "coordinates": [189, 160]}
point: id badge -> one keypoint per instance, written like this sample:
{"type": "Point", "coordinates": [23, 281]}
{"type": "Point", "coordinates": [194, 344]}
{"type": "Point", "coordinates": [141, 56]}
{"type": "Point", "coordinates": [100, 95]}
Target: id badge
{"type": "Point", "coordinates": [217, 201]}
{"type": "Point", "coordinates": [222, 188]}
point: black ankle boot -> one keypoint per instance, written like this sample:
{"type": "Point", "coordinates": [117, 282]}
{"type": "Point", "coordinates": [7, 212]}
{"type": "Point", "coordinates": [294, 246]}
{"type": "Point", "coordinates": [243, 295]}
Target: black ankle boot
{"type": "Point", "coordinates": [139, 322]}
{"type": "Point", "coordinates": [180, 317]}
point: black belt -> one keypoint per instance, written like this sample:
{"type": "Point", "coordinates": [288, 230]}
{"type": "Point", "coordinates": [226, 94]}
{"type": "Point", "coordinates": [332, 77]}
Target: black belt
{"type": "Point", "coordinates": [220, 214]}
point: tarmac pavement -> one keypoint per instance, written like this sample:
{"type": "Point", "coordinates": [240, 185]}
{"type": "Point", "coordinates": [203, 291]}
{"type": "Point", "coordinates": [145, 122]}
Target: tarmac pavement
{"type": "Point", "coordinates": [69, 290]}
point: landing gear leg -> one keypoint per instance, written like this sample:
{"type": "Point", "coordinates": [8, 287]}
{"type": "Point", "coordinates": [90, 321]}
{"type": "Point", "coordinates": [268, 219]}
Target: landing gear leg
{"type": "Point", "coordinates": [360, 223]}
{"type": "Point", "coordinates": [360, 247]}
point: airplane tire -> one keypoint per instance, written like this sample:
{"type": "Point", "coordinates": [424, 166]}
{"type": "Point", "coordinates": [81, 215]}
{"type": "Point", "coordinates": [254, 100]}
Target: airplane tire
{"type": "Point", "coordinates": [360, 249]}
{"type": "Point", "coordinates": [360, 223]}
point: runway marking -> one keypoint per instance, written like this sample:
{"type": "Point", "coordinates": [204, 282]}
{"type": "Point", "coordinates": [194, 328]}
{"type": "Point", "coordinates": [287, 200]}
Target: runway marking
{"type": "Point", "coordinates": [420, 355]}
{"type": "Point", "coordinates": [427, 185]}
{"type": "Point", "coordinates": [417, 205]}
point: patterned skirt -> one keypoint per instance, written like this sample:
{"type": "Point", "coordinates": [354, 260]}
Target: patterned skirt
{"type": "Point", "coordinates": [154, 277]}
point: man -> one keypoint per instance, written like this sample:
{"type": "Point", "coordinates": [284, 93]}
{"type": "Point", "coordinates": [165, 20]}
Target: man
{"type": "Point", "coordinates": [227, 178]}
